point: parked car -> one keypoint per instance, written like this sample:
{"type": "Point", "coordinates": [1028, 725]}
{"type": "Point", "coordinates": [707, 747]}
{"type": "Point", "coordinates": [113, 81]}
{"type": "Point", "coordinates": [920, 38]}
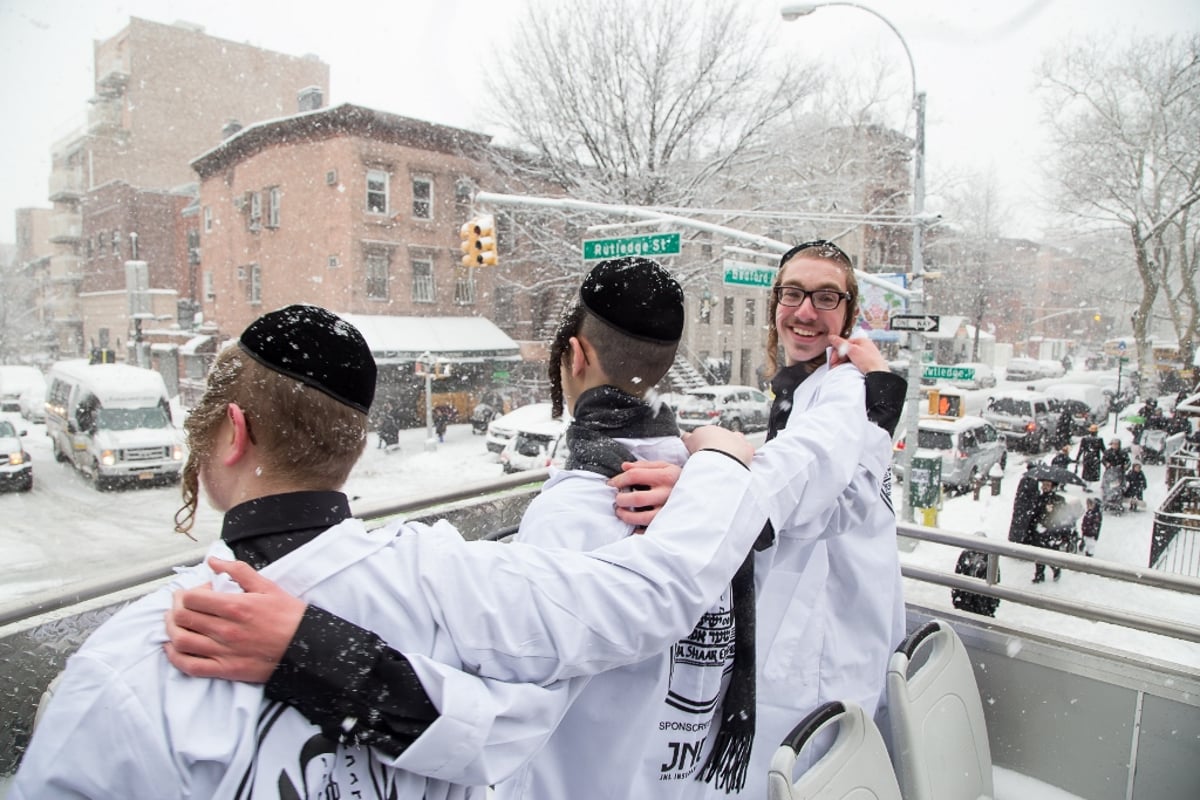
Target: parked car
{"type": "Point", "coordinates": [738, 408]}
{"type": "Point", "coordinates": [968, 447]}
{"type": "Point", "coordinates": [1025, 419]}
{"type": "Point", "coordinates": [16, 470]}
{"type": "Point", "coordinates": [502, 429]}
{"type": "Point", "coordinates": [14, 379]}
{"type": "Point", "coordinates": [1085, 402]}
{"type": "Point", "coordinates": [32, 402]}
{"type": "Point", "coordinates": [984, 378]}
{"type": "Point", "coordinates": [536, 446]}
{"type": "Point", "coordinates": [1023, 369]}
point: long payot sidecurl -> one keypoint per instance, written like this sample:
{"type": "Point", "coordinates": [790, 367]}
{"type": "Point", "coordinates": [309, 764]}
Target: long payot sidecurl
{"type": "Point", "coordinates": [568, 326]}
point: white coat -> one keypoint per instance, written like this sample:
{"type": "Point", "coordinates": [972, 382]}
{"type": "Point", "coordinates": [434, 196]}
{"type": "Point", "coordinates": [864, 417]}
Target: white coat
{"type": "Point", "coordinates": [124, 724]}
{"type": "Point", "coordinates": [831, 607]}
{"type": "Point", "coordinates": [639, 731]}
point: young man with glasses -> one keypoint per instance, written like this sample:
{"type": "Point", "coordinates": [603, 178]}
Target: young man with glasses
{"type": "Point", "coordinates": [830, 609]}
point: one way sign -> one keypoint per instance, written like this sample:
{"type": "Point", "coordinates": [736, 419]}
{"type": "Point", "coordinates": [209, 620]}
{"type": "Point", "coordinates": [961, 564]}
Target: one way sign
{"type": "Point", "coordinates": [926, 323]}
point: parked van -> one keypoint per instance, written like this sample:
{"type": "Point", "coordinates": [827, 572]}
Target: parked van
{"type": "Point", "coordinates": [968, 447]}
{"type": "Point", "coordinates": [113, 423]}
{"type": "Point", "coordinates": [1085, 402]}
{"type": "Point", "coordinates": [1025, 419]}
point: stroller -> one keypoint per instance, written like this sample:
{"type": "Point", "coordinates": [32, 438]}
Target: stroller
{"type": "Point", "coordinates": [1112, 491]}
{"type": "Point", "coordinates": [481, 415]}
{"type": "Point", "coordinates": [1154, 445]}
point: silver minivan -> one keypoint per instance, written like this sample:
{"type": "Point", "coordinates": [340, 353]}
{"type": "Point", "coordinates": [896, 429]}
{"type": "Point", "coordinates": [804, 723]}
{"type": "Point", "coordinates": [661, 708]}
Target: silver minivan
{"type": "Point", "coordinates": [739, 408]}
{"type": "Point", "coordinates": [968, 447]}
{"type": "Point", "coordinates": [1025, 419]}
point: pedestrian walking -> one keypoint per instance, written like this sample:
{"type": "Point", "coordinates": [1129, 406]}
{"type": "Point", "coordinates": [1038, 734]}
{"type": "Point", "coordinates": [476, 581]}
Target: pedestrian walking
{"type": "Point", "coordinates": [1135, 487]}
{"type": "Point", "coordinates": [1089, 526]}
{"type": "Point", "coordinates": [1091, 450]}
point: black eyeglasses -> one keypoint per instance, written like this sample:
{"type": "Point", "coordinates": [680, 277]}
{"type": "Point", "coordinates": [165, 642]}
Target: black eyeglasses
{"type": "Point", "coordinates": [826, 247]}
{"type": "Point", "coordinates": [822, 299]}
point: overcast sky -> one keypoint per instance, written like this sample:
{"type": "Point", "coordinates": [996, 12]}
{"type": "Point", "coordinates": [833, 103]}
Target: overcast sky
{"type": "Point", "coordinates": [974, 59]}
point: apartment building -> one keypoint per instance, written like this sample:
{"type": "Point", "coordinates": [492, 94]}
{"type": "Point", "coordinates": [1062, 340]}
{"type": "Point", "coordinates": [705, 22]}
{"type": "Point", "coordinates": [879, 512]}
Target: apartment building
{"type": "Point", "coordinates": [359, 210]}
{"type": "Point", "coordinates": [163, 93]}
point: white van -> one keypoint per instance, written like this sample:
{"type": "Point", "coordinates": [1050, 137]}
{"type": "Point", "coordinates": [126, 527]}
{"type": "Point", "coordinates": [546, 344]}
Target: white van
{"type": "Point", "coordinates": [113, 422]}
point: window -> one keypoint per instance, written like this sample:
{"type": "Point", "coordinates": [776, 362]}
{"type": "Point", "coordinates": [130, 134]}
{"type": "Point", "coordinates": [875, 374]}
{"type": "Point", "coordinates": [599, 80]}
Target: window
{"type": "Point", "coordinates": [706, 302]}
{"type": "Point", "coordinates": [505, 313]}
{"type": "Point", "coordinates": [727, 311]}
{"type": "Point", "coordinates": [273, 197]}
{"type": "Point", "coordinates": [422, 198]}
{"type": "Point", "coordinates": [116, 243]}
{"type": "Point", "coordinates": [464, 189]}
{"type": "Point", "coordinates": [100, 242]}
{"type": "Point", "coordinates": [207, 219]}
{"type": "Point", "coordinates": [422, 280]}
{"type": "Point", "coordinates": [255, 210]}
{"type": "Point", "coordinates": [377, 191]}
{"type": "Point", "coordinates": [378, 268]}
{"type": "Point", "coordinates": [210, 293]}
{"type": "Point", "coordinates": [193, 246]}
{"type": "Point", "coordinates": [464, 287]}
{"type": "Point", "coordinates": [750, 303]}
{"type": "Point", "coordinates": [334, 262]}
{"type": "Point", "coordinates": [254, 284]}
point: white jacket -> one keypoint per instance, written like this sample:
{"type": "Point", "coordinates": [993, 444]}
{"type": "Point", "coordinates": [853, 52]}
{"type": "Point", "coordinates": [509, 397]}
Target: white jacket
{"type": "Point", "coordinates": [639, 731]}
{"type": "Point", "coordinates": [124, 724]}
{"type": "Point", "coordinates": [831, 608]}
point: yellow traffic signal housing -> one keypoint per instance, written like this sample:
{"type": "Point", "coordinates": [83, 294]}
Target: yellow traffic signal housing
{"type": "Point", "coordinates": [479, 242]}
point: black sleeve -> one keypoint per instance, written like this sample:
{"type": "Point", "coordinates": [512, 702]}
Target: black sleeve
{"type": "Point", "coordinates": [885, 399]}
{"type": "Point", "coordinates": [348, 682]}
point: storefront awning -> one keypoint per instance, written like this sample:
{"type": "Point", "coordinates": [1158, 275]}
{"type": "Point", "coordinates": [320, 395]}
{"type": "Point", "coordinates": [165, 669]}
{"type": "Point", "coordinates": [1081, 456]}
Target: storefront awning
{"type": "Point", "coordinates": [463, 340]}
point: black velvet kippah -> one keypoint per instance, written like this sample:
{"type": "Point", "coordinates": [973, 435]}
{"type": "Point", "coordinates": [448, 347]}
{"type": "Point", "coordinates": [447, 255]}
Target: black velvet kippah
{"type": "Point", "coordinates": [317, 348]}
{"type": "Point", "coordinates": [636, 296]}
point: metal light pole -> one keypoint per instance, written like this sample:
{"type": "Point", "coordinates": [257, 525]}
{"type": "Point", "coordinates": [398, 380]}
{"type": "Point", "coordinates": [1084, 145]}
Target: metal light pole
{"type": "Point", "coordinates": [916, 299]}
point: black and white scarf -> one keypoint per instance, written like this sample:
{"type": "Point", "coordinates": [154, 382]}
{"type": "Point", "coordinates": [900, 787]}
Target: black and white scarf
{"type": "Point", "coordinates": [603, 414]}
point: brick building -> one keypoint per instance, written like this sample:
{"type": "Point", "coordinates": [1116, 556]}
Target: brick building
{"type": "Point", "coordinates": [162, 95]}
{"type": "Point", "coordinates": [359, 210]}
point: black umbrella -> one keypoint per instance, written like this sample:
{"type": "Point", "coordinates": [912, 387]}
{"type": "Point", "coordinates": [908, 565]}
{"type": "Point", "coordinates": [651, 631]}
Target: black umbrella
{"type": "Point", "coordinates": [1046, 472]}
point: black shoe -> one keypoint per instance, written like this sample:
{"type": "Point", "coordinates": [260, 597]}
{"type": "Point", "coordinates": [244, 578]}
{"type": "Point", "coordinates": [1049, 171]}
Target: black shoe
{"type": "Point", "coordinates": [1057, 575]}
{"type": "Point", "coordinates": [1039, 578]}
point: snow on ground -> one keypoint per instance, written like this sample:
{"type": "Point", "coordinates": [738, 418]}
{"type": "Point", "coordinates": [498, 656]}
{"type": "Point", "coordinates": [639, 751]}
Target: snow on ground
{"type": "Point", "coordinates": [65, 532]}
{"type": "Point", "coordinates": [1123, 538]}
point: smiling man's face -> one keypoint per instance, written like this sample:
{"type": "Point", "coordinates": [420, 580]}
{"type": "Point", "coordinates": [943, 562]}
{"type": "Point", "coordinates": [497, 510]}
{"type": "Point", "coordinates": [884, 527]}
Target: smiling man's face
{"type": "Point", "coordinates": [804, 330]}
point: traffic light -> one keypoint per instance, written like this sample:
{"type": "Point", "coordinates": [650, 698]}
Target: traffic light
{"type": "Point", "coordinates": [479, 242]}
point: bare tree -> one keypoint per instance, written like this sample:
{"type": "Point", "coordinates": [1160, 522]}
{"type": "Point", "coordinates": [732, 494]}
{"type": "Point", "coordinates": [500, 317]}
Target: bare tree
{"type": "Point", "coordinates": [1126, 126]}
{"type": "Point", "coordinates": [642, 103]}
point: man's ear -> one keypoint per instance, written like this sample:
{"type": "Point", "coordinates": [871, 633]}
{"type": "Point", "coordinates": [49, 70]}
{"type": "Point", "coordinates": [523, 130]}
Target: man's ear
{"type": "Point", "coordinates": [240, 438]}
{"type": "Point", "coordinates": [578, 352]}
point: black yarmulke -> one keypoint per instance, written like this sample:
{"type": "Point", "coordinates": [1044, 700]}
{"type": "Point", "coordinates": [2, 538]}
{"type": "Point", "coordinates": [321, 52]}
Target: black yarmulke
{"type": "Point", "coordinates": [317, 348]}
{"type": "Point", "coordinates": [636, 296]}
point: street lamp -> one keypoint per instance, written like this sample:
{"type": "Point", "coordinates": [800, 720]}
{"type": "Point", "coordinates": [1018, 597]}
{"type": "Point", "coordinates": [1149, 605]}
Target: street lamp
{"type": "Point", "coordinates": [916, 300]}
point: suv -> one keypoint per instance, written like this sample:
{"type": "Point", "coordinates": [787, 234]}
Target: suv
{"type": "Point", "coordinates": [738, 408]}
{"type": "Point", "coordinates": [536, 445]}
{"type": "Point", "coordinates": [15, 468]}
{"type": "Point", "coordinates": [968, 446]}
{"type": "Point", "coordinates": [1025, 419]}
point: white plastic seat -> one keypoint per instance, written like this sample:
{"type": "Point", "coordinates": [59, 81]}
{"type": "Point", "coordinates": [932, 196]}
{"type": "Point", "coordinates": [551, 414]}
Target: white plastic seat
{"type": "Point", "coordinates": [856, 766]}
{"type": "Point", "coordinates": [939, 735]}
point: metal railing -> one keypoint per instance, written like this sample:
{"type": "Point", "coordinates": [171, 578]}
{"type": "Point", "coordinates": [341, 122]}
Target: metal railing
{"type": "Point", "coordinates": [527, 484]}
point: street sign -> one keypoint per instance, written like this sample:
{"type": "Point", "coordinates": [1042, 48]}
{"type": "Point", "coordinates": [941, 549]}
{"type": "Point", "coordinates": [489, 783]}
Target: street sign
{"type": "Point", "coordinates": [923, 323]}
{"type": "Point", "coordinates": [651, 244]}
{"type": "Point", "coordinates": [936, 372]}
{"type": "Point", "coordinates": [741, 273]}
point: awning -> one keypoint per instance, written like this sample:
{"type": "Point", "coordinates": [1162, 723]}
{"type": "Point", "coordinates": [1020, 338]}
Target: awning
{"type": "Point", "coordinates": [463, 340]}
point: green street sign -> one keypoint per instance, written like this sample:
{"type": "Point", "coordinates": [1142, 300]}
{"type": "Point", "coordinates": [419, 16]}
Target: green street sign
{"type": "Point", "coordinates": [935, 372]}
{"type": "Point", "coordinates": [651, 244]}
{"type": "Point", "coordinates": [741, 273]}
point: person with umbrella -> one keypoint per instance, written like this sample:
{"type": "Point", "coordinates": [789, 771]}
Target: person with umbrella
{"type": "Point", "coordinates": [1024, 507]}
{"type": "Point", "coordinates": [1052, 527]}
{"type": "Point", "coordinates": [1091, 448]}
